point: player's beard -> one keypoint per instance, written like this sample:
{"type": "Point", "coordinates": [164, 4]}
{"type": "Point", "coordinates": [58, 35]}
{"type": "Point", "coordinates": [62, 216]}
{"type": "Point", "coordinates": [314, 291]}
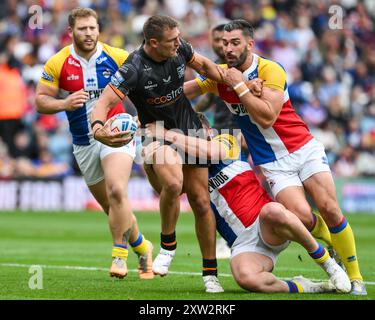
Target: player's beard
{"type": "Point", "coordinates": [85, 47]}
{"type": "Point", "coordinates": [220, 53]}
{"type": "Point", "coordinates": [240, 60]}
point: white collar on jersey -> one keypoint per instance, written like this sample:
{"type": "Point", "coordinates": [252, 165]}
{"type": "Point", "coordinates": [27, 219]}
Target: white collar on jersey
{"type": "Point", "coordinates": [99, 49]}
{"type": "Point", "coordinates": [253, 66]}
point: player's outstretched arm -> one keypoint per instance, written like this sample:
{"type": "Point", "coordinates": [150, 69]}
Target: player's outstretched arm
{"type": "Point", "coordinates": [192, 89]}
{"type": "Point", "coordinates": [205, 67]}
{"type": "Point", "coordinates": [46, 101]}
{"type": "Point", "coordinates": [196, 147]}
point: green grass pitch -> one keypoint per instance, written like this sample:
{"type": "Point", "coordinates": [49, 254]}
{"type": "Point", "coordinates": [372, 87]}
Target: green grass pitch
{"type": "Point", "coordinates": [73, 250]}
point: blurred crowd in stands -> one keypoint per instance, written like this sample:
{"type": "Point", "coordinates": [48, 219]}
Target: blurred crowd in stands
{"type": "Point", "coordinates": [330, 66]}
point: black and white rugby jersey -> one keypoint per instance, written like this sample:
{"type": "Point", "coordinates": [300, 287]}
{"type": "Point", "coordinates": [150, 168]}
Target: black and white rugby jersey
{"type": "Point", "coordinates": [156, 88]}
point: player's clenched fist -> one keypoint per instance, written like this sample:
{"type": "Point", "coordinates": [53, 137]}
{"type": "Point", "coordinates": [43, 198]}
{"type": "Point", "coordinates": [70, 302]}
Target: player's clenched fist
{"type": "Point", "coordinates": [255, 86]}
{"type": "Point", "coordinates": [75, 100]}
{"type": "Point", "coordinates": [234, 78]}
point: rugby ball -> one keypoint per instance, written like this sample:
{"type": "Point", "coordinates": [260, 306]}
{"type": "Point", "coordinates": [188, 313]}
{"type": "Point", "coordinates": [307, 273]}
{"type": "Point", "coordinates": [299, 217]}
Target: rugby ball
{"type": "Point", "coordinates": [124, 122]}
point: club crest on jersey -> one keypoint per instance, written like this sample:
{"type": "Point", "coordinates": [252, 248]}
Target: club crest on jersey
{"type": "Point", "coordinates": [101, 59]}
{"type": "Point", "coordinates": [106, 73]}
{"type": "Point", "coordinates": [181, 71]}
{"type": "Point", "coordinates": [47, 76]}
{"type": "Point", "coordinates": [253, 75]}
{"type": "Point", "coordinates": [73, 62]}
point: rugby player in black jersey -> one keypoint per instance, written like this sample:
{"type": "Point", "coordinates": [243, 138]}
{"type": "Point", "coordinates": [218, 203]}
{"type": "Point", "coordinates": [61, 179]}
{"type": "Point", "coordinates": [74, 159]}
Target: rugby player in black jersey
{"type": "Point", "coordinates": [153, 77]}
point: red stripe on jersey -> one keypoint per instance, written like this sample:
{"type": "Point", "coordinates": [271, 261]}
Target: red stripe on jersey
{"type": "Point", "coordinates": [291, 129]}
{"type": "Point", "coordinates": [245, 197]}
{"type": "Point", "coordinates": [71, 76]}
{"type": "Point", "coordinates": [118, 108]}
{"type": "Point", "coordinates": [227, 94]}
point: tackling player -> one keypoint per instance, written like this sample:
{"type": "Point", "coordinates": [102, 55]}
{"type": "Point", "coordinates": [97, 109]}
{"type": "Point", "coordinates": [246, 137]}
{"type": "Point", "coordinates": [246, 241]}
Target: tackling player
{"type": "Point", "coordinates": [281, 143]}
{"type": "Point", "coordinates": [72, 81]}
{"type": "Point", "coordinates": [256, 228]}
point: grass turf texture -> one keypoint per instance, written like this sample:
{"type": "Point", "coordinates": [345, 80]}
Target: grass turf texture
{"type": "Point", "coordinates": [63, 243]}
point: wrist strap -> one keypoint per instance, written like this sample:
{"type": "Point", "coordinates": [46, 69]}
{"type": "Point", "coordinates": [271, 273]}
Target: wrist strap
{"type": "Point", "coordinates": [238, 85]}
{"type": "Point", "coordinates": [95, 122]}
{"type": "Point", "coordinates": [243, 93]}
{"type": "Point", "coordinates": [95, 132]}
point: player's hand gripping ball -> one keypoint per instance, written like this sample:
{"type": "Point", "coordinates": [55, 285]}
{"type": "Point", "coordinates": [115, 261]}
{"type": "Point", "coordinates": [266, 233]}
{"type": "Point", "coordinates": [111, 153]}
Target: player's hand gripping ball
{"type": "Point", "coordinates": [124, 122]}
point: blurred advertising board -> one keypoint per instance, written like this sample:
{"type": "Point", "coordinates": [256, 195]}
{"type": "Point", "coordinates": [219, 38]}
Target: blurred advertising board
{"type": "Point", "coordinates": [71, 194]}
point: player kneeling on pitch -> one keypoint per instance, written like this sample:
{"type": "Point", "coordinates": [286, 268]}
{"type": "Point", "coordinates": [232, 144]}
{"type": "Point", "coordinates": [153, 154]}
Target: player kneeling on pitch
{"type": "Point", "coordinates": [256, 227]}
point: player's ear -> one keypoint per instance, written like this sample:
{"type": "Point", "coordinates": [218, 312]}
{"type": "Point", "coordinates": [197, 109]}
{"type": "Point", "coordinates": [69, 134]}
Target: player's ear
{"type": "Point", "coordinates": [250, 44]}
{"type": "Point", "coordinates": [153, 43]}
{"type": "Point", "coordinates": [70, 32]}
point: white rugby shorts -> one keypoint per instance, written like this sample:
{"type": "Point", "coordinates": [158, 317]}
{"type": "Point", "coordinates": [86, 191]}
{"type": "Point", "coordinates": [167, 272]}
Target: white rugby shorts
{"type": "Point", "coordinates": [89, 158]}
{"type": "Point", "coordinates": [251, 240]}
{"type": "Point", "coordinates": [294, 168]}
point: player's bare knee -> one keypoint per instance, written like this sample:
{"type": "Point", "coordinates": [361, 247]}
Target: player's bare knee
{"type": "Point", "coordinates": [173, 187]}
{"type": "Point", "coordinates": [274, 213]}
{"type": "Point", "coordinates": [330, 211]}
{"type": "Point", "coordinates": [200, 203]}
{"type": "Point", "coordinates": [249, 281]}
{"type": "Point", "coordinates": [116, 193]}
{"type": "Point", "coordinates": [304, 213]}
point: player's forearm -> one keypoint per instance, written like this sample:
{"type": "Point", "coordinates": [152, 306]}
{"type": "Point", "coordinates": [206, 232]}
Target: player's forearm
{"type": "Point", "coordinates": [260, 110]}
{"type": "Point", "coordinates": [99, 111]}
{"type": "Point", "coordinates": [106, 101]}
{"type": "Point", "coordinates": [196, 147]}
{"type": "Point", "coordinates": [206, 68]}
{"type": "Point", "coordinates": [192, 89]}
{"type": "Point", "coordinates": [49, 105]}
{"type": "Point", "coordinates": [98, 116]}
{"type": "Point", "coordinates": [210, 71]}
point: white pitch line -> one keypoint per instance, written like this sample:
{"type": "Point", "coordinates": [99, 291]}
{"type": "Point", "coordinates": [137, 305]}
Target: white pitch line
{"type": "Point", "coordinates": [19, 265]}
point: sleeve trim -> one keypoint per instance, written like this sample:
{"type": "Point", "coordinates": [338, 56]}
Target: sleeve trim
{"type": "Point", "coordinates": [117, 91]}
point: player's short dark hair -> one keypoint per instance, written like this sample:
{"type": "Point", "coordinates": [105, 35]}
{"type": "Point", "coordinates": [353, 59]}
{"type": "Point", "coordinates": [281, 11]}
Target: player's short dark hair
{"type": "Point", "coordinates": [81, 13]}
{"type": "Point", "coordinates": [240, 24]}
{"type": "Point", "coordinates": [155, 26]}
{"type": "Point", "coordinates": [219, 28]}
